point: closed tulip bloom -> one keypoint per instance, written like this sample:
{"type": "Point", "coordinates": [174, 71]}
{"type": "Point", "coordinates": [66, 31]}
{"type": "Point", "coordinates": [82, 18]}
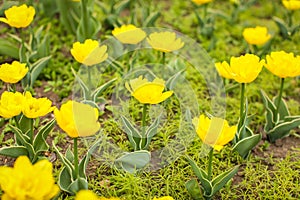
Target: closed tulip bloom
{"type": "Point", "coordinates": [147, 92]}
{"type": "Point", "coordinates": [244, 69]}
{"type": "Point", "coordinates": [14, 72]}
{"type": "Point", "coordinates": [89, 53]}
{"type": "Point", "coordinates": [11, 104]}
{"type": "Point", "coordinates": [221, 68]}
{"type": "Point", "coordinates": [18, 16]}
{"type": "Point", "coordinates": [257, 36]}
{"type": "Point", "coordinates": [214, 132]}
{"type": "Point", "coordinates": [200, 2]}
{"type": "Point", "coordinates": [129, 34]}
{"type": "Point", "coordinates": [165, 41]}
{"type": "Point", "coordinates": [283, 64]}
{"type": "Point", "coordinates": [77, 119]}
{"type": "Point", "coordinates": [26, 181]}
{"type": "Point", "coordinates": [291, 4]}
{"type": "Point", "coordinates": [36, 107]}
{"type": "Point", "coordinates": [164, 198]}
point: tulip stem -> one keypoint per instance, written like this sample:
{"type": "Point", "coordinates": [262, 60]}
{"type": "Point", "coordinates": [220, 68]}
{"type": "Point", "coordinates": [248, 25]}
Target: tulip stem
{"type": "Point", "coordinates": [242, 106]}
{"type": "Point", "coordinates": [279, 97]}
{"type": "Point", "coordinates": [163, 58]}
{"type": "Point", "coordinates": [144, 125]}
{"type": "Point", "coordinates": [31, 131]}
{"type": "Point", "coordinates": [209, 171]}
{"type": "Point", "coordinates": [76, 157]}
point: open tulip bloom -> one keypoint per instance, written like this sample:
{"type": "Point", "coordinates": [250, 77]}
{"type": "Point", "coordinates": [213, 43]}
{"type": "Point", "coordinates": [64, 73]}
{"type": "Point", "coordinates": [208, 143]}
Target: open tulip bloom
{"type": "Point", "coordinates": [243, 69]}
{"type": "Point", "coordinates": [216, 133]}
{"type": "Point", "coordinates": [279, 122]}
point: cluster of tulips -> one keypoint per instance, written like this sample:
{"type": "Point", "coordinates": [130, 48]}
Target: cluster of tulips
{"type": "Point", "coordinates": [80, 119]}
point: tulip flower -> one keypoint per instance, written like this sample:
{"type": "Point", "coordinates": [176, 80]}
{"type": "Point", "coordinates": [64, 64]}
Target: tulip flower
{"type": "Point", "coordinates": [201, 2]}
{"type": "Point", "coordinates": [90, 195]}
{"type": "Point", "coordinates": [14, 72]}
{"type": "Point", "coordinates": [165, 41]}
{"type": "Point", "coordinates": [147, 92]}
{"type": "Point", "coordinates": [11, 104]}
{"type": "Point", "coordinates": [27, 181]}
{"type": "Point", "coordinates": [89, 53]}
{"type": "Point", "coordinates": [19, 16]}
{"type": "Point", "coordinates": [164, 198]}
{"type": "Point", "coordinates": [36, 107]}
{"type": "Point", "coordinates": [221, 68]}
{"type": "Point", "coordinates": [256, 36]}
{"type": "Point", "coordinates": [291, 4]}
{"type": "Point", "coordinates": [129, 34]}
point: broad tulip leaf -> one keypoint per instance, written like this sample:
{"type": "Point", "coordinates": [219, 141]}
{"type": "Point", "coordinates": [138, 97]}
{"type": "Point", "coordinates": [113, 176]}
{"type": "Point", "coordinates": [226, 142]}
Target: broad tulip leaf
{"type": "Point", "coordinates": [152, 130]}
{"type": "Point", "coordinates": [221, 180]}
{"type": "Point", "coordinates": [171, 82]}
{"type": "Point", "coordinates": [133, 161]}
{"type": "Point", "coordinates": [85, 89]}
{"type": "Point", "coordinates": [98, 91]}
{"type": "Point", "coordinates": [37, 68]}
{"type": "Point", "coordinates": [151, 19]}
{"type": "Point", "coordinates": [120, 6]}
{"type": "Point", "coordinates": [270, 111]}
{"type": "Point", "coordinates": [77, 185]}
{"type": "Point", "coordinates": [39, 143]}
{"type": "Point", "coordinates": [282, 129]}
{"type": "Point", "coordinates": [282, 27]}
{"type": "Point", "coordinates": [244, 146]}
{"type": "Point", "coordinates": [193, 188]}
{"type": "Point", "coordinates": [131, 132]}
{"type": "Point", "coordinates": [24, 124]}
{"type": "Point", "coordinates": [69, 155]}
{"type": "Point", "coordinates": [202, 176]}
{"type": "Point", "coordinates": [65, 180]}
{"type": "Point", "coordinates": [283, 109]}
{"type": "Point", "coordinates": [14, 151]}
{"type": "Point", "coordinates": [65, 161]}
{"type": "Point", "coordinates": [9, 49]}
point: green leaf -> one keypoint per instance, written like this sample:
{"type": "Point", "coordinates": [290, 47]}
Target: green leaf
{"type": "Point", "coordinates": [283, 109]}
{"type": "Point", "coordinates": [282, 129]}
{"type": "Point", "coordinates": [133, 161]}
{"type": "Point", "coordinates": [202, 176]}
{"type": "Point", "coordinates": [24, 124]}
{"type": "Point", "coordinates": [192, 187]}
{"type": "Point", "coordinates": [270, 111]}
{"type": "Point", "coordinates": [39, 142]}
{"type": "Point", "coordinates": [102, 88]}
{"type": "Point", "coordinates": [37, 68]}
{"type": "Point", "coordinates": [14, 151]}
{"type": "Point", "coordinates": [131, 132]}
{"type": "Point", "coordinates": [219, 181]}
{"type": "Point", "coordinates": [8, 49]}
{"type": "Point", "coordinates": [77, 185]}
{"type": "Point", "coordinates": [21, 137]}
{"type": "Point", "coordinates": [69, 155]}
{"type": "Point", "coordinates": [244, 146]}
{"type": "Point", "coordinates": [65, 161]}
{"type": "Point", "coordinates": [152, 130]}
{"type": "Point", "coordinates": [85, 89]}
{"type": "Point", "coordinates": [283, 28]}
{"type": "Point", "coordinates": [151, 19]}
{"type": "Point", "coordinates": [171, 82]}
{"type": "Point", "coordinates": [120, 6]}
{"type": "Point", "coordinates": [84, 162]}
{"type": "Point", "coordinates": [65, 180]}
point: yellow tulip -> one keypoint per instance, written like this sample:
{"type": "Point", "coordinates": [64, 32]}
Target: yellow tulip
{"type": "Point", "coordinates": [77, 119]}
{"type": "Point", "coordinates": [257, 36]}
{"type": "Point", "coordinates": [165, 41]}
{"type": "Point", "coordinates": [18, 16]}
{"type": "Point", "coordinates": [291, 4]}
{"type": "Point", "coordinates": [111, 198]}
{"type": "Point", "coordinates": [214, 132]}
{"type": "Point", "coordinates": [221, 68]}
{"type": "Point", "coordinates": [244, 69]}
{"type": "Point", "coordinates": [86, 195]}
{"type": "Point", "coordinates": [148, 92]}
{"type": "Point", "coordinates": [11, 104]}
{"type": "Point", "coordinates": [89, 53]}
{"type": "Point", "coordinates": [36, 107]}
{"type": "Point", "coordinates": [27, 181]}
{"type": "Point", "coordinates": [129, 34]}
{"type": "Point", "coordinates": [14, 72]}
{"type": "Point", "coordinates": [164, 198]}
{"type": "Point", "coordinates": [200, 2]}
{"type": "Point", "coordinates": [283, 64]}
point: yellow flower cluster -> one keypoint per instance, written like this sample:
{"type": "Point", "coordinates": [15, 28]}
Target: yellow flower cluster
{"type": "Point", "coordinates": [214, 132]}
{"type": "Point", "coordinates": [77, 119]}
{"type": "Point", "coordinates": [14, 72]}
{"type": "Point", "coordinates": [148, 92]}
{"type": "Point", "coordinates": [257, 36]}
{"type": "Point", "coordinates": [243, 69]}
{"type": "Point", "coordinates": [18, 16]}
{"type": "Point", "coordinates": [12, 104]}
{"type": "Point", "coordinates": [26, 181]}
